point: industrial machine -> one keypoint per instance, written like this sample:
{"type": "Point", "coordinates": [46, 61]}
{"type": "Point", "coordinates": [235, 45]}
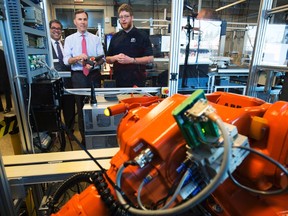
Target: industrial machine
{"type": "Point", "coordinates": [216, 154]}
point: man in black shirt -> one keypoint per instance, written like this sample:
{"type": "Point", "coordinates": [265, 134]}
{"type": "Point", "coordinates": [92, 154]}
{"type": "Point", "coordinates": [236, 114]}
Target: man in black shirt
{"type": "Point", "coordinates": [129, 51]}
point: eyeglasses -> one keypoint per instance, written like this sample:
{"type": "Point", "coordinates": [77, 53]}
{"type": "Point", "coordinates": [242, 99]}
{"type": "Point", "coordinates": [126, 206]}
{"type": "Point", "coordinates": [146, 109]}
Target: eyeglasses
{"type": "Point", "coordinates": [58, 29]}
{"type": "Point", "coordinates": [124, 17]}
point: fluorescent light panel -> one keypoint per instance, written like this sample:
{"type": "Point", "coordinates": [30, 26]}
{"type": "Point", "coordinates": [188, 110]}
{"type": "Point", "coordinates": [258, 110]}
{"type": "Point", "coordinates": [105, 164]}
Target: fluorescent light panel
{"type": "Point", "coordinates": [229, 5]}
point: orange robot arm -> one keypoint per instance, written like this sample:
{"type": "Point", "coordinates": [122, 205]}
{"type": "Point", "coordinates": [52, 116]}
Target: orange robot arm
{"type": "Point", "coordinates": [171, 152]}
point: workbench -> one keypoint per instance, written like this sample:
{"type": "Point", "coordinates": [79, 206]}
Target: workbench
{"type": "Point", "coordinates": [227, 73]}
{"type": "Point", "coordinates": [57, 166]}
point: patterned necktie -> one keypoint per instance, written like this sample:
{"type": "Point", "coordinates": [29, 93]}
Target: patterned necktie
{"type": "Point", "coordinates": [59, 51]}
{"type": "Point", "coordinates": [84, 50]}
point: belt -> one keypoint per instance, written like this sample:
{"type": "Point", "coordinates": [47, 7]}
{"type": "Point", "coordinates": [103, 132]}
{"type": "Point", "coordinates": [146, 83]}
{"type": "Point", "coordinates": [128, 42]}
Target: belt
{"type": "Point", "coordinates": [81, 71]}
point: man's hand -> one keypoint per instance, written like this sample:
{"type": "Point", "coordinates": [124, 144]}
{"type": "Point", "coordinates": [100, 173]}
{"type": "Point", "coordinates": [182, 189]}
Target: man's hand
{"type": "Point", "coordinates": [124, 59]}
{"type": "Point", "coordinates": [78, 59]}
{"type": "Point", "coordinates": [81, 58]}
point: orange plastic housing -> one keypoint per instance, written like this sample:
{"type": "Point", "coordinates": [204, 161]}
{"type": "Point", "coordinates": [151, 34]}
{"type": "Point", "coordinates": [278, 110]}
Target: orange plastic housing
{"type": "Point", "coordinates": [267, 129]}
{"type": "Point", "coordinates": [237, 109]}
{"type": "Point", "coordinates": [153, 126]}
{"type": "Point", "coordinates": [85, 204]}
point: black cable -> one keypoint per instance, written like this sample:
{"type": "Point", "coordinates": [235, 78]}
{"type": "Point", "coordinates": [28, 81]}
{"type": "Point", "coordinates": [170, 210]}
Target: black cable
{"type": "Point", "coordinates": [271, 160]}
{"type": "Point", "coordinates": [69, 138]}
{"type": "Point", "coordinates": [126, 164]}
{"type": "Point", "coordinates": [37, 132]}
{"type": "Point", "coordinates": [116, 209]}
{"type": "Point", "coordinates": [88, 153]}
{"type": "Point", "coordinates": [187, 51]}
{"type": "Point", "coordinates": [83, 148]}
{"type": "Point", "coordinates": [163, 201]}
{"type": "Point", "coordinates": [66, 185]}
{"type": "Point", "coordinates": [73, 180]}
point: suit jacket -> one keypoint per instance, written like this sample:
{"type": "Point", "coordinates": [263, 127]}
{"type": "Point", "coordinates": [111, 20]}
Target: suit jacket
{"type": "Point", "coordinates": [59, 66]}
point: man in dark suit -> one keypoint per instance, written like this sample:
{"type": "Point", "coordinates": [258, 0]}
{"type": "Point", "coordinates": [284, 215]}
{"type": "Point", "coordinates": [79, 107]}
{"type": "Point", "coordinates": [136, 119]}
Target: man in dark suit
{"type": "Point", "coordinates": [4, 84]}
{"type": "Point", "coordinates": [68, 102]}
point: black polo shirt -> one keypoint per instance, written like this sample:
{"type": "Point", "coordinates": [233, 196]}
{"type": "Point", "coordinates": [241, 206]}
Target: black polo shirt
{"type": "Point", "coordinates": [135, 43]}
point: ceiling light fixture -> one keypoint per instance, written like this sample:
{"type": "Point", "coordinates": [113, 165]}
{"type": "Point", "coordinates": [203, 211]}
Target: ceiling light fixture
{"type": "Point", "coordinates": [229, 5]}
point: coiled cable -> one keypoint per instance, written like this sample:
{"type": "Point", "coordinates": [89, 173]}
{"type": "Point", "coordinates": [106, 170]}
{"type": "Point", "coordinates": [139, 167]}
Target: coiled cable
{"type": "Point", "coordinates": [96, 178]}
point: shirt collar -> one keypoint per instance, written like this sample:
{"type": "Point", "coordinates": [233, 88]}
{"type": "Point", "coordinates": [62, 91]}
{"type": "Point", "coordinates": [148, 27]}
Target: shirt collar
{"type": "Point", "coordinates": [54, 44]}
{"type": "Point", "coordinates": [80, 34]}
{"type": "Point", "coordinates": [129, 30]}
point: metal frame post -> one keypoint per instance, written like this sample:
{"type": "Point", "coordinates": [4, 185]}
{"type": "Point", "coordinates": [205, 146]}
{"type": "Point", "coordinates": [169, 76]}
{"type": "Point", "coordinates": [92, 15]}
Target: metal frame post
{"type": "Point", "coordinates": [177, 12]}
{"type": "Point", "coordinates": [258, 47]}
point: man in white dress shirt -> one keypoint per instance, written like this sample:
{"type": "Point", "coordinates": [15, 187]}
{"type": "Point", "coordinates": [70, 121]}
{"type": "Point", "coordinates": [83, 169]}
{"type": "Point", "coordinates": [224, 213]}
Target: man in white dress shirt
{"type": "Point", "coordinates": [76, 54]}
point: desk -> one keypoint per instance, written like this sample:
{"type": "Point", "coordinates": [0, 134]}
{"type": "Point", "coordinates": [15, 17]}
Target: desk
{"type": "Point", "coordinates": [241, 72]}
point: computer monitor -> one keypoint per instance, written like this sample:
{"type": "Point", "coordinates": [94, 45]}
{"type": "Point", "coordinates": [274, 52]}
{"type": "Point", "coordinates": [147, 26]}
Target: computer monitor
{"type": "Point", "coordinates": [156, 45]}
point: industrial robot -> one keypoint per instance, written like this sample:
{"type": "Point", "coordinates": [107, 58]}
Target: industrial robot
{"type": "Point", "coordinates": [199, 154]}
